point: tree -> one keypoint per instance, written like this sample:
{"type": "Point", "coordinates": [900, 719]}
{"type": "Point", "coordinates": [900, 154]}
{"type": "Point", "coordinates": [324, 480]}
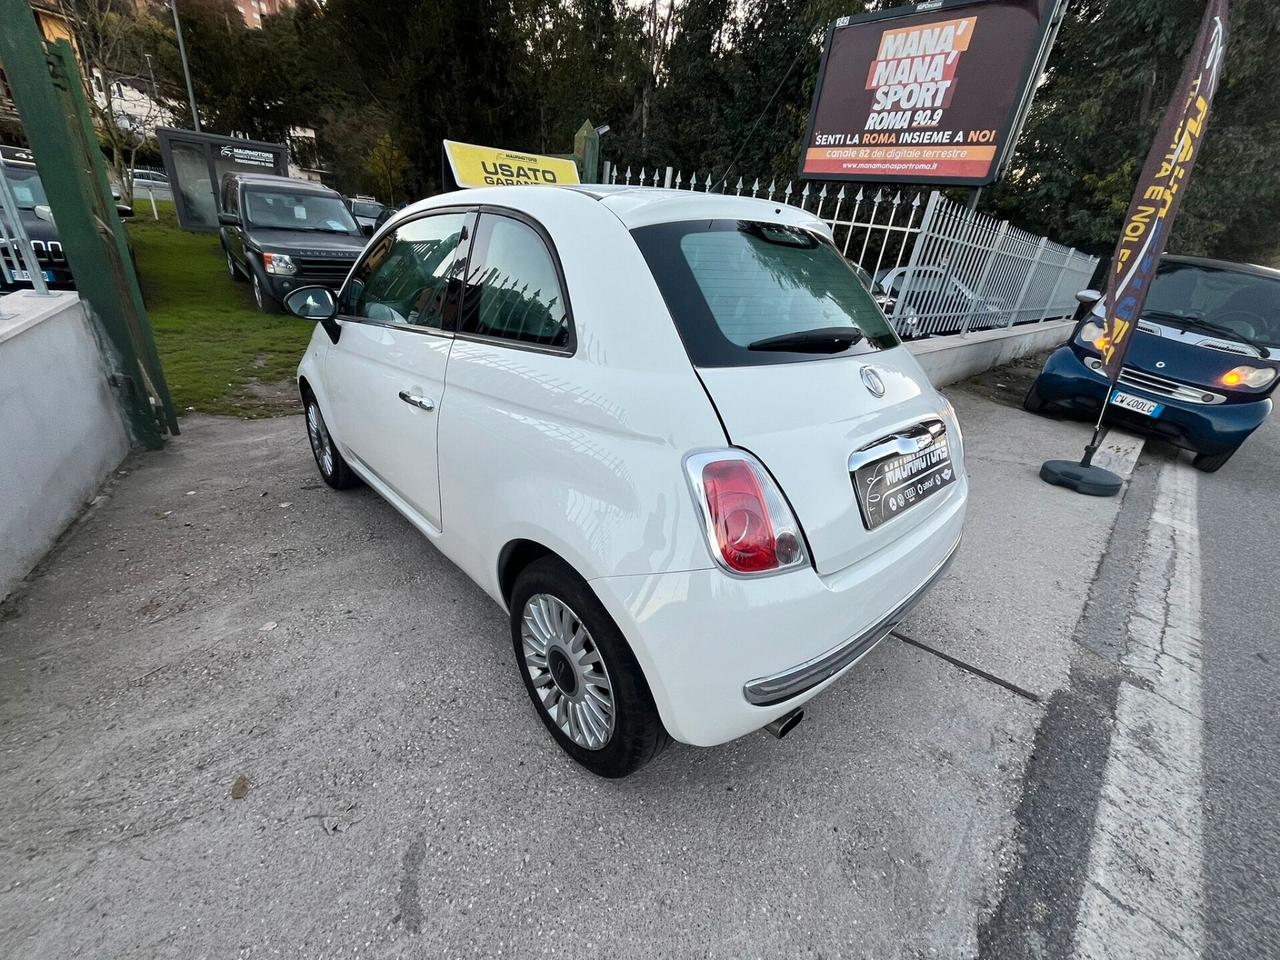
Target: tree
{"type": "Point", "coordinates": [388, 163]}
{"type": "Point", "coordinates": [1097, 111]}
{"type": "Point", "coordinates": [112, 41]}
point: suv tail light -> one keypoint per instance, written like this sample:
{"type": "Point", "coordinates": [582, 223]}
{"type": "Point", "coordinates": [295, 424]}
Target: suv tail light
{"type": "Point", "coordinates": [749, 527]}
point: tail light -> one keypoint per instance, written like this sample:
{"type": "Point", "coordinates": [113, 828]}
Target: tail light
{"type": "Point", "coordinates": [749, 527]}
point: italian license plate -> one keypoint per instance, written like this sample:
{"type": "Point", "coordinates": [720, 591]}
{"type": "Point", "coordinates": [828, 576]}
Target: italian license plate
{"type": "Point", "coordinates": [891, 487]}
{"type": "Point", "coordinates": [24, 276]}
{"type": "Point", "coordinates": [1138, 405]}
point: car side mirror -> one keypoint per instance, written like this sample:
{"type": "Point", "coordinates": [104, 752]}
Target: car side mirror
{"type": "Point", "coordinates": [1088, 297]}
{"type": "Point", "coordinates": [124, 211]}
{"type": "Point", "coordinates": [228, 219]}
{"type": "Point", "coordinates": [367, 230]}
{"type": "Point", "coordinates": [312, 303]}
{"type": "Point", "coordinates": [43, 212]}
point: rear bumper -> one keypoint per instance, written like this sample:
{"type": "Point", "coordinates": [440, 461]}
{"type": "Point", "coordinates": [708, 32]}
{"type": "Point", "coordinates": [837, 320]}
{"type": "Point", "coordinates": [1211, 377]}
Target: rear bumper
{"type": "Point", "coordinates": [711, 644]}
{"type": "Point", "coordinates": [781, 687]}
{"type": "Point", "coordinates": [1069, 385]}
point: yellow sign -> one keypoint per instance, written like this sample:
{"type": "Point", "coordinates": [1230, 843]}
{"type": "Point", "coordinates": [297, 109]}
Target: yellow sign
{"type": "Point", "coordinates": [475, 166]}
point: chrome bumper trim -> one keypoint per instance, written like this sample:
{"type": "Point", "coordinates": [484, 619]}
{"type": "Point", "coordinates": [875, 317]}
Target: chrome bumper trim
{"type": "Point", "coordinates": [780, 687]}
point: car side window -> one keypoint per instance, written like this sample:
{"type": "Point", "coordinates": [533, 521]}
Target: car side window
{"type": "Point", "coordinates": [407, 278]}
{"type": "Point", "coordinates": [513, 289]}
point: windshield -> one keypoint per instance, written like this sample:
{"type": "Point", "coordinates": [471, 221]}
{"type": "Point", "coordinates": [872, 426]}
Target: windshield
{"type": "Point", "coordinates": [362, 209]}
{"type": "Point", "coordinates": [297, 211]}
{"type": "Point", "coordinates": [733, 283]}
{"type": "Point", "coordinates": [27, 188]}
{"type": "Point", "coordinates": [1242, 302]}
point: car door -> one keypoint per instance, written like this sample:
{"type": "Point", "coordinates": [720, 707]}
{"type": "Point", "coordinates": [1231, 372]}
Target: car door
{"type": "Point", "coordinates": [235, 234]}
{"type": "Point", "coordinates": [385, 375]}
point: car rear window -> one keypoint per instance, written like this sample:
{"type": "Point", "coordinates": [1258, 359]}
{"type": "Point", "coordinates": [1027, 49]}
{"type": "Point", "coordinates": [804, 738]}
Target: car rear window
{"type": "Point", "coordinates": [732, 283]}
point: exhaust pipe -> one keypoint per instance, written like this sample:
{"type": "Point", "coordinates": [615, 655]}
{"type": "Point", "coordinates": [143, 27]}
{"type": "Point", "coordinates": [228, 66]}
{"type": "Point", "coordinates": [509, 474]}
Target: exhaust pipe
{"type": "Point", "coordinates": [786, 723]}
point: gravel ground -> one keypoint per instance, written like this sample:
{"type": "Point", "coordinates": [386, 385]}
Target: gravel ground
{"type": "Point", "coordinates": [244, 715]}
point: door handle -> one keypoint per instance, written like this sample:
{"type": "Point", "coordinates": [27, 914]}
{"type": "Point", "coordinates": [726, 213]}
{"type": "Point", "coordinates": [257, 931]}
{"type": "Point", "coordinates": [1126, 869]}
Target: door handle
{"type": "Point", "coordinates": [422, 403]}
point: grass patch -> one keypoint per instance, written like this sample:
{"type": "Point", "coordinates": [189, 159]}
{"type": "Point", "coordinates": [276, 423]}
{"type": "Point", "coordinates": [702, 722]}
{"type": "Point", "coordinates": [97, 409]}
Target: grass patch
{"type": "Point", "coordinates": [220, 353]}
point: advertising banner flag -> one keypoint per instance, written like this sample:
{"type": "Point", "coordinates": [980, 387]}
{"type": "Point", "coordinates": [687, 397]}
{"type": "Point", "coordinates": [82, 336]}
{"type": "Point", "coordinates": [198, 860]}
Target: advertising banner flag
{"type": "Point", "coordinates": [926, 94]}
{"type": "Point", "coordinates": [1161, 188]}
{"type": "Point", "coordinates": [476, 166]}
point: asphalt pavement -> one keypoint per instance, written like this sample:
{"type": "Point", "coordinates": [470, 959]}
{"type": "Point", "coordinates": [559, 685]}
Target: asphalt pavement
{"type": "Point", "coordinates": [1239, 510]}
{"type": "Point", "coordinates": [242, 714]}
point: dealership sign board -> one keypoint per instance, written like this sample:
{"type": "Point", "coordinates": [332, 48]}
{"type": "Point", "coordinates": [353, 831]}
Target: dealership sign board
{"type": "Point", "coordinates": [476, 166]}
{"type": "Point", "coordinates": [933, 93]}
{"type": "Point", "coordinates": [195, 164]}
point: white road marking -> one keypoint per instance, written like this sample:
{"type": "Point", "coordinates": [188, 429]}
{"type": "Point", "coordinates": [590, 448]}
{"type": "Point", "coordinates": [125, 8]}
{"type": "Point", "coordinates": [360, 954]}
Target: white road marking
{"type": "Point", "coordinates": [1144, 894]}
{"type": "Point", "coordinates": [1119, 453]}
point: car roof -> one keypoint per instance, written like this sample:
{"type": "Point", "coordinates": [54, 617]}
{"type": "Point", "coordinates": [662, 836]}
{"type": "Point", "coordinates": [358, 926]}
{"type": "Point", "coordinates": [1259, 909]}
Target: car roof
{"type": "Point", "coordinates": [273, 180]}
{"type": "Point", "coordinates": [1252, 269]}
{"type": "Point", "coordinates": [635, 206]}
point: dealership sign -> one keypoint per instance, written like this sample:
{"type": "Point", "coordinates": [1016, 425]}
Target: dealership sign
{"type": "Point", "coordinates": [933, 93]}
{"type": "Point", "coordinates": [476, 166]}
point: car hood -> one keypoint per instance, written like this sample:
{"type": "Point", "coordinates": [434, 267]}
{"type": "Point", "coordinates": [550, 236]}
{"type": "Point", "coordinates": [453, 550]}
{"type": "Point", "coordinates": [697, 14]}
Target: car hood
{"type": "Point", "coordinates": [36, 228]}
{"type": "Point", "coordinates": [1176, 336]}
{"type": "Point", "coordinates": [306, 242]}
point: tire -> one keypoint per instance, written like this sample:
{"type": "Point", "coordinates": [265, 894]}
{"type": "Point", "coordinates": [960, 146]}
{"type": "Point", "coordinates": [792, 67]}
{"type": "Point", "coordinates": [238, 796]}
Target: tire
{"type": "Point", "coordinates": [550, 600]}
{"type": "Point", "coordinates": [333, 468]}
{"type": "Point", "coordinates": [1212, 463]}
{"type": "Point", "coordinates": [1033, 402]}
{"type": "Point", "coordinates": [232, 270]}
{"type": "Point", "coordinates": [266, 303]}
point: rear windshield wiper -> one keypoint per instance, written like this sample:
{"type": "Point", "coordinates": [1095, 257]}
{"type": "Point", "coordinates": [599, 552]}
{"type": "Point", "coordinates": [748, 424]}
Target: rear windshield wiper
{"type": "Point", "coordinates": [822, 340]}
{"type": "Point", "coordinates": [1195, 321]}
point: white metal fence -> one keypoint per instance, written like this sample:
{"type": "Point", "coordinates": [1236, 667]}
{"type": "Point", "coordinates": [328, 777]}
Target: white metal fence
{"type": "Point", "coordinates": [937, 267]}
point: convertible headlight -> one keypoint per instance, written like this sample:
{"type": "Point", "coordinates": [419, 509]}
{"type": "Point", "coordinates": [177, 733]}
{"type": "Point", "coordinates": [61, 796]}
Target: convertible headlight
{"type": "Point", "coordinates": [1093, 334]}
{"type": "Point", "coordinates": [1246, 376]}
{"type": "Point", "coordinates": [279, 263]}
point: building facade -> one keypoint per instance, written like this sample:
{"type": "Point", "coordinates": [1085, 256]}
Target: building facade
{"type": "Point", "coordinates": [254, 10]}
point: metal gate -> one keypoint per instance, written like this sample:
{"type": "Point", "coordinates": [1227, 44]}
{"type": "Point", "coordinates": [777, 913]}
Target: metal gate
{"type": "Point", "coordinates": [46, 86]}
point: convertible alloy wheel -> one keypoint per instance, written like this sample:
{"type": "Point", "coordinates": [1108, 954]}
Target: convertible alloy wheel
{"type": "Point", "coordinates": [567, 672]}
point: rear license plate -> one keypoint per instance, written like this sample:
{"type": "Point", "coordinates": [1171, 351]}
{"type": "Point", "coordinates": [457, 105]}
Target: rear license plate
{"type": "Point", "coordinates": [1129, 402]}
{"type": "Point", "coordinates": [891, 487]}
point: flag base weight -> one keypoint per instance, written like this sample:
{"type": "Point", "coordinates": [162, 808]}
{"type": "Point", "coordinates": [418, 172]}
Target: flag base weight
{"type": "Point", "coordinates": [1087, 479]}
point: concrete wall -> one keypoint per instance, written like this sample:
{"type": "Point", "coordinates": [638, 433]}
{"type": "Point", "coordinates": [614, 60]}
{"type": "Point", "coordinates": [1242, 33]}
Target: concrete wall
{"type": "Point", "coordinates": [61, 432]}
{"type": "Point", "coordinates": [949, 359]}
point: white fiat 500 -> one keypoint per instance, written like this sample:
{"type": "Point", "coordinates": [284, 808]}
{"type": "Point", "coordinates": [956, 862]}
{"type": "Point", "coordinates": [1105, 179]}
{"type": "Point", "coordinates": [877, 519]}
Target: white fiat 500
{"type": "Point", "coordinates": [670, 432]}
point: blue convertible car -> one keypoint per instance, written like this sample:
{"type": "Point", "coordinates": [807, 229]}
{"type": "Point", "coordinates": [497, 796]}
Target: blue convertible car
{"type": "Point", "coordinates": [1201, 367]}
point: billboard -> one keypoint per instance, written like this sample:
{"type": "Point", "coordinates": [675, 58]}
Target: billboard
{"type": "Point", "coordinates": [195, 164]}
{"type": "Point", "coordinates": [932, 93]}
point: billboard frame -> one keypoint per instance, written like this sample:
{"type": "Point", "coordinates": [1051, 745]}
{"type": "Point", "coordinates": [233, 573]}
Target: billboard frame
{"type": "Point", "coordinates": [1010, 130]}
{"type": "Point", "coordinates": [209, 143]}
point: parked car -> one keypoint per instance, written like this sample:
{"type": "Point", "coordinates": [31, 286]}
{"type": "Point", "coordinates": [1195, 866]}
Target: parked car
{"type": "Point", "coordinates": [33, 210]}
{"type": "Point", "coordinates": [933, 292]}
{"type": "Point", "coordinates": [37, 220]}
{"type": "Point", "coordinates": [670, 433]}
{"type": "Point", "coordinates": [281, 234]}
{"type": "Point", "coordinates": [367, 212]}
{"type": "Point", "coordinates": [1201, 367]}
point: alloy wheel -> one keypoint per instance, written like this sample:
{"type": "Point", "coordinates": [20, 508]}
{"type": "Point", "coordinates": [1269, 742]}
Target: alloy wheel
{"type": "Point", "coordinates": [567, 672]}
{"type": "Point", "coordinates": [321, 442]}
{"type": "Point", "coordinates": [257, 291]}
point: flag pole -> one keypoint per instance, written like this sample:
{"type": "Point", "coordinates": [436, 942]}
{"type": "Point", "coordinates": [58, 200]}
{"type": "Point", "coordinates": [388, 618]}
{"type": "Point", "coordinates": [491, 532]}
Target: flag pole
{"type": "Point", "coordinates": [1145, 234]}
